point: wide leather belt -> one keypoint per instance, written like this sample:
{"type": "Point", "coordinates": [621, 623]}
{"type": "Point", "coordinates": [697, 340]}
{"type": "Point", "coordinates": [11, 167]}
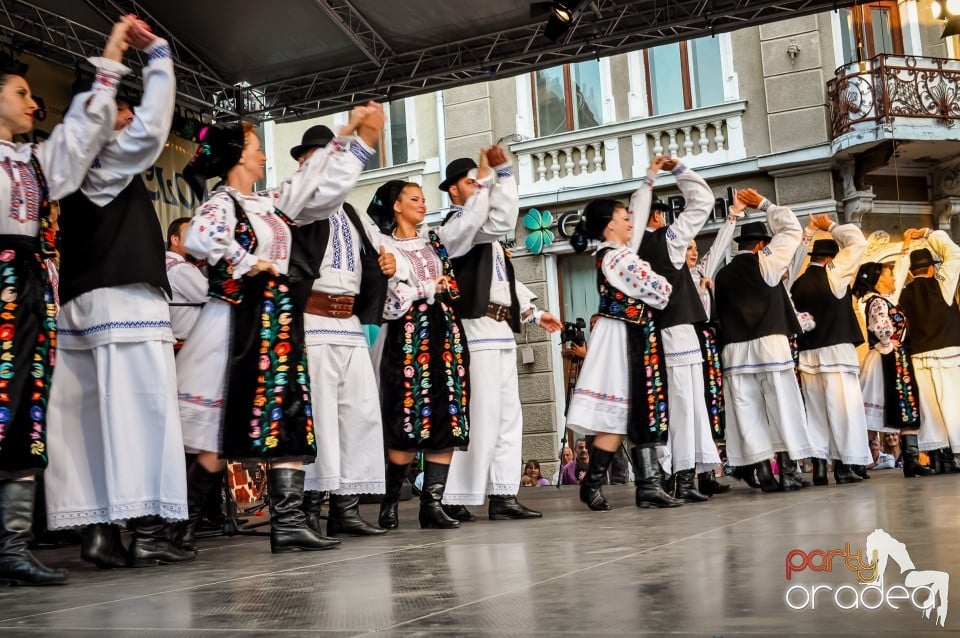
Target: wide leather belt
{"type": "Point", "coordinates": [497, 312]}
{"type": "Point", "coordinates": [335, 306]}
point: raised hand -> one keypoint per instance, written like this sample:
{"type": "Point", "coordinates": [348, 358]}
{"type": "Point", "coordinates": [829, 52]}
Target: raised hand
{"type": "Point", "coordinates": [821, 221]}
{"type": "Point", "coordinates": [140, 36]}
{"type": "Point", "coordinates": [750, 197]}
{"type": "Point", "coordinates": [656, 165]}
{"type": "Point", "coordinates": [117, 43]}
{"type": "Point", "coordinates": [669, 163]}
{"type": "Point", "coordinates": [387, 262]}
{"type": "Point", "coordinates": [371, 124]}
{"type": "Point", "coordinates": [483, 166]}
{"type": "Point", "coordinates": [738, 206]}
{"type": "Point", "coordinates": [497, 156]}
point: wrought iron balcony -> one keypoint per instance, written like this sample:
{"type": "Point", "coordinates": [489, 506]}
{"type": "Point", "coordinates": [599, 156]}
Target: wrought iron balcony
{"type": "Point", "coordinates": [906, 97]}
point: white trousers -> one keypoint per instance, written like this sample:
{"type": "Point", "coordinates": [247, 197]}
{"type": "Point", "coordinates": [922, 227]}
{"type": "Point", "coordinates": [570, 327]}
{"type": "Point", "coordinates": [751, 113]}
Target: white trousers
{"type": "Point", "coordinates": [764, 415]}
{"type": "Point", "coordinates": [690, 441]}
{"type": "Point", "coordinates": [492, 464]}
{"type": "Point", "coordinates": [836, 421]}
{"type": "Point", "coordinates": [939, 400]}
{"type": "Point", "coordinates": [116, 451]}
{"type": "Point", "coordinates": [346, 419]}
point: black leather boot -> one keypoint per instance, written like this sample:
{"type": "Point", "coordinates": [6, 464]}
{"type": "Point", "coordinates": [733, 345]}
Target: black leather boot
{"type": "Point", "coordinates": [765, 476]}
{"type": "Point", "coordinates": [788, 473]}
{"type": "Point", "coordinates": [151, 544]}
{"type": "Point", "coordinates": [843, 474]}
{"type": "Point", "coordinates": [288, 523]}
{"type": "Point", "coordinates": [431, 511]}
{"type": "Point", "coordinates": [686, 491]}
{"type": "Point", "coordinates": [345, 517]}
{"type": "Point", "coordinates": [596, 476]}
{"type": "Point", "coordinates": [709, 484]}
{"type": "Point", "coordinates": [861, 471]}
{"type": "Point", "coordinates": [911, 457]}
{"type": "Point", "coordinates": [312, 508]}
{"type": "Point", "coordinates": [460, 513]}
{"type": "Point", "coordinates": [502, 508]}
{"type": "Point", "coordinates": [103, 547]}
{"type": "Point", "coordinates": [747, 474]}
{"type": "Point", "coordinates": [17, 564]}
{"type": "Point", "coordinates": [396, 475]}
{"type": "Point", "coordinates": [950, 463]}
{"type": "Point", "coordinates": [649, 491]}
{"type": "Point", "coordinates": [200, 485]}
{"type": "Point", "coordinates": [819, 471]}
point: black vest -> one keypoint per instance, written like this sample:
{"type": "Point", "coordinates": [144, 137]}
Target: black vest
{"type": "Point", "coordinates": [684, 306]}
{"type": "Point", "coordinates": [748, 308]}
{"type": "Point", "coordinates": [836, 320]}
{"type": "Point", "coordinates": [114, 245]}
{"type": "Point", "coordinates": [474, 275]}
{"type": "Point", "coordinates": [306, 256]}
{"type": "Point", "coordinates": [931, 323]}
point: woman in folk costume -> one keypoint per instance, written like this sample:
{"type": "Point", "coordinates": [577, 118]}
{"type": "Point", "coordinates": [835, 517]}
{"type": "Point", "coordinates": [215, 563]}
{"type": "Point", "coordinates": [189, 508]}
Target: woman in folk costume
{"type": "Point", "coordinates": [243, 383]}
{"type": "Point", "coordinates": [622, 385]}
{"type": "Point", "coordinates": [30, 178]}
{"type": "Point", "coordinates": [421, 354]}
{"type": "Point", "coordinates": [890, 397]}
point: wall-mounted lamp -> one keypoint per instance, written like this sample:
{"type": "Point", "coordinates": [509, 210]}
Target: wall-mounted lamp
{"type": "Point", "coordinates": [793, 51]}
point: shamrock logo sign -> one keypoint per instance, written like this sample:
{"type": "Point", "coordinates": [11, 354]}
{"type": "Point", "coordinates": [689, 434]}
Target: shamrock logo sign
{"type": "Point", "coordinates": [538, 223]}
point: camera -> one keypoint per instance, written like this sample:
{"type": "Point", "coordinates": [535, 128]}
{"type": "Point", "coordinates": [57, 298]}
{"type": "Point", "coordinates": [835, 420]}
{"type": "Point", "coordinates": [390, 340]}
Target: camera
{"type": "Point", "coordinates": [573, 332]}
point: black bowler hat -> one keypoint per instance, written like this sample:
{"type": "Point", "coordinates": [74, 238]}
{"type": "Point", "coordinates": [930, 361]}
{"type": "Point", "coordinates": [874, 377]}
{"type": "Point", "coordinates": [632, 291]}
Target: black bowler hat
{"type": "Point", "coordinates": [753, 231]}
{"type": "Point", "coordinates": [455, 170]}
{"type": "Point", "coordinates": [825, 248]}
{"type": "Point", "coordinates": [314, 137]}
{"type": "Point", "coordinates": [922, 258]}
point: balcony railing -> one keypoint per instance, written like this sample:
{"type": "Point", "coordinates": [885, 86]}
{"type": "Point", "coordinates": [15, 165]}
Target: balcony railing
{"type": "Point", "coordinates": [700, 137]}
{"type": "Point", "coordinates": [892, 88]}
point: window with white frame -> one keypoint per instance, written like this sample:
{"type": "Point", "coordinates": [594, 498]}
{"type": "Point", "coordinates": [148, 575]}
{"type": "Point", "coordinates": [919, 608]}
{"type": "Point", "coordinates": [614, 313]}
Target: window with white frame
{"type": "Point", "coordinates": [567, 98]}
{"type": "Point", "coordinates": [392, 146]}
{"type": "Point", "coordinates": [684, 75]}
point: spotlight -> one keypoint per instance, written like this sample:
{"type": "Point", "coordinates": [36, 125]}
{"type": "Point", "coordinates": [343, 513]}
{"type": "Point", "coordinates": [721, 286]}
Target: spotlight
{"type": "Point", "coordinates": [561, 18]}
{"type": "Point", "coordinates": [952, 27]}
{"type": "Point", "coordinates": [953, 7]}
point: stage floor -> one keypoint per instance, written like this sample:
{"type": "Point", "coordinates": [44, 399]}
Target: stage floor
{"type": "Point", "coordinates": [698, 570]}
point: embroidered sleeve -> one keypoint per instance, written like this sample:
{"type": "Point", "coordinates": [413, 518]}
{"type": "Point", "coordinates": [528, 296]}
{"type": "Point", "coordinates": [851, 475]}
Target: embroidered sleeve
{"type": "Point", "coordinates": [844, 266]}
{"type": "Point", "coordinates": [210, 236]}
{"type": "Point", "coordinates": [319, 188]}
{"type": "Point", "coordinates": [634, 277]}
{"type": "Point", "coordinates": [878, 322]}
{"type": "Point", "coordinates": [719, 252]}
{"type": "Point", "coordinates": [640, 209]}
{"type": "Point", "coordinates": [504, 207]}
{"type": "Point", "coordinates": [777, 256]}
{"type": "Point", "coordinates": [459, 234]}
{"type": "Point", "coordinates": [948, 274]}
{"type": "Point", "coordinates": [699, 204]}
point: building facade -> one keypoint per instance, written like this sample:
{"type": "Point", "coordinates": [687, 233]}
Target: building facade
{"type": "Point", "coordinates": [851, 112]}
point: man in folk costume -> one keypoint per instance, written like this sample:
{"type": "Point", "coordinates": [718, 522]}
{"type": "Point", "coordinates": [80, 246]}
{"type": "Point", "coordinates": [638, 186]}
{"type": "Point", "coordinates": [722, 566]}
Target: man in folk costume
{"type": "Point", "coordinates": [763, 406]}
{"type": "Point", "coordinates": [829, 366]}
{"type": "Point", "coordinates": [664, 246]}
{"type": "Point", "coordinates": [929, 302]}
{"type": "Point", "coordinates": [493, 304]}
{"type": "Point", "coordinates": [341, 269]}
{"type": "Point", "coordinates": [115, 438]}
{"type": "Point", "coordinates": [188, 284]}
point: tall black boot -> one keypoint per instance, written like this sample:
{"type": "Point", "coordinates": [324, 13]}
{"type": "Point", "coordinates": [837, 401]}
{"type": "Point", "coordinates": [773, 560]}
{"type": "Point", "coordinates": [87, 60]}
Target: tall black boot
{"type": "Point", "coordinates": [151, 544]}
{"type": "Point", "coordinates": [460, 513]}
{"type": "Point", "coordinates": [747, 474]}
{"type": "Point", "coordinates": [596, 476]}
{"type": "Point", "coordinates": [17, 564]}
{"type": "Point", "coordinates": [288, 523]}
{"type": "Point", "coordinates": [911, 457]}
{"type": "Point", "coordinates": [396, 475]}
{"type": "Point", "coordinates": [686, 491]}
{"type": "Point", "coordinates": [345, 517]}
{"type": "Point", "coordinates": [765, 476]}
{"type": "Point", "coordinates": [788, 472]}
{"type": "Point", "coordinates": [950, 463]}
{"type": "Point", "coordinates": [434, 484]}
{"type": "Point", "coordinates": [649, 491]}
{"type": "Point", "coordinates": [312, 508]}
{"type": "Point", "coordinates": [502, 507]}
{"type": "Point", "coordinates": [200, 485]}
{"type": "Point", "coordinates": [861, 471]}
{"type": "Point", "coordinates": [819, 471]}
{"type": "Point", "coordinates": [103, 547]}
{"type": "Point", "coordinates": [843, 474]}
{"type": "Point", "coordinates": [709, 484]}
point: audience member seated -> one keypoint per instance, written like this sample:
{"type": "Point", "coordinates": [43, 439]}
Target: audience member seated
{"type": "Point", "coordinates": [532, 470]}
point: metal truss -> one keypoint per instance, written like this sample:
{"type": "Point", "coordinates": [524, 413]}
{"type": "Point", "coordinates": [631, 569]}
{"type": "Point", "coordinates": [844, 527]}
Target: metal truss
{"type": "Point", "coordinates": [52, 37]}
{"type": "Point", "coordinates": [604, 27]}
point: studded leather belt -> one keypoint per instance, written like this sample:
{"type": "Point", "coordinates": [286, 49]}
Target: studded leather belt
{"type": "Point", "coordinates": [324, 305]}
{"type": "Point", "coordinates": [497, 312]}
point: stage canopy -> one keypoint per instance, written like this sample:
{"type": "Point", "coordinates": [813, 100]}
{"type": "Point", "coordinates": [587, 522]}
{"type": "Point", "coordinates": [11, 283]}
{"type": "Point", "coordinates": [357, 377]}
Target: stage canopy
{"type": "Point", "coordinates": [294, 59]}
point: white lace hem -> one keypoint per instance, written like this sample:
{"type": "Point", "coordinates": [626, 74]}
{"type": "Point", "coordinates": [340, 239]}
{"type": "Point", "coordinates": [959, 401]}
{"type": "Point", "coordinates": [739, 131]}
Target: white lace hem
{"type": "Point", "coordinates": [117, 514]}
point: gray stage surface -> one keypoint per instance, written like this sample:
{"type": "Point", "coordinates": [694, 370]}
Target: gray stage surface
{"type": "Point", "coordinates": [699, 570]}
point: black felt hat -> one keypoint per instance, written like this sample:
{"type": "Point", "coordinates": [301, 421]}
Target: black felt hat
{"type": "Point", "coordinates": [753, 231]}
{"type": "Point", "coordinates": [455, 170]}
{"type": "Point", "coordinates": [219, 150]}
{"type": "Point", "coordinates": [922, 258]}
{"type": "Point", "coordinates": [380, 208]}
{"type": "Point", "coordinates": [825, 248]}
{"type": "Point", "coordinates": [314, 137]}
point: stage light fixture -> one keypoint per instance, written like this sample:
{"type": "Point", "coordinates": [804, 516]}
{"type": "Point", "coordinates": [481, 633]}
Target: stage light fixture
{"type": "Point", "coordinates": [561, 18]}
{"type": "Point", "coordinates": [952, 27]}
{"type": "Point", "coordinates": [936, 9]}
{"type": "Point", "coordinates": [953, 7]}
